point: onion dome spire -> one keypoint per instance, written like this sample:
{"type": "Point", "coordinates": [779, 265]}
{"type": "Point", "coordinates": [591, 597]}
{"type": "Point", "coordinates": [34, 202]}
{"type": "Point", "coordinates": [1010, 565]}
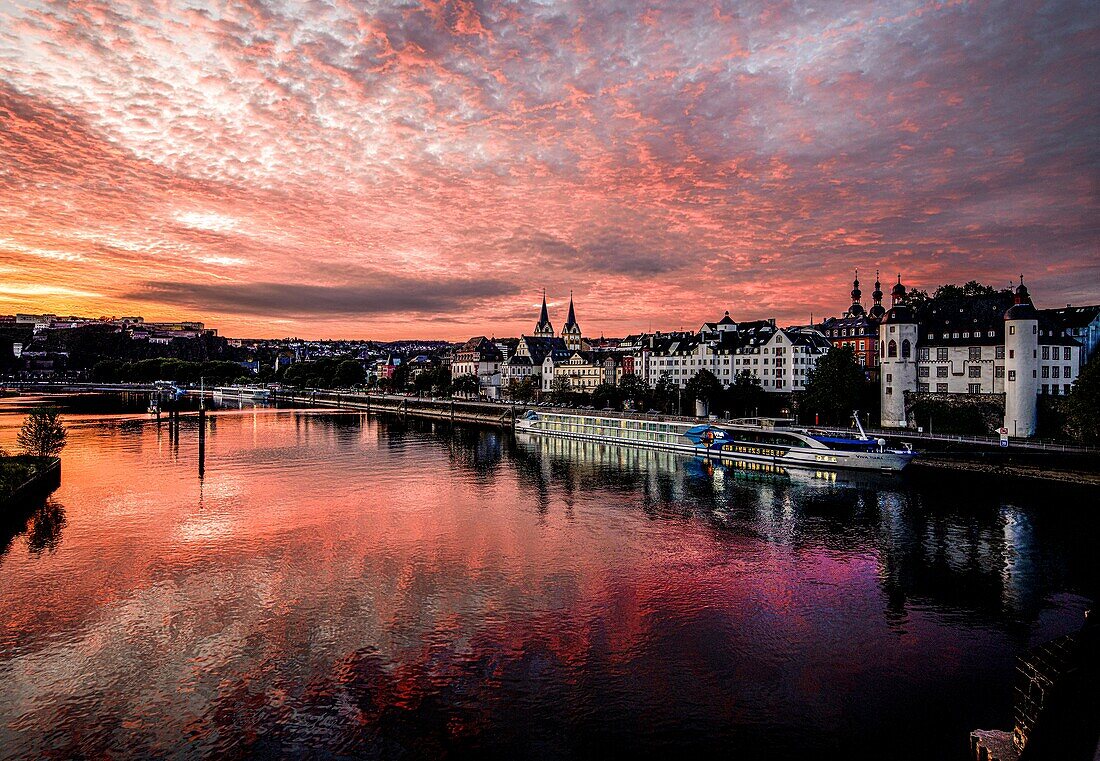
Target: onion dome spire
{"type": "Point", "coordinates": [1022, 309]}
{"type": "Point", "coordinates": [1022, 296]}
{"type": "Point", "coordinates": [898, 292]}
{"type": "Point", "coordinates": [856, 309]}
{"type": "Point", "coordinates": [877, 311]}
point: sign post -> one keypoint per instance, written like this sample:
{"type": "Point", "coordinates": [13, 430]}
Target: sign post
{"type": "Point", "coordinates": [1004, 437]}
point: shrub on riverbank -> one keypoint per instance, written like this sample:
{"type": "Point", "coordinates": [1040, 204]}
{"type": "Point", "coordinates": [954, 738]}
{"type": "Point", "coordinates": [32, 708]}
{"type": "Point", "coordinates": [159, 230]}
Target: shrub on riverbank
{"type": "Point", "coordinates": [43, 434]}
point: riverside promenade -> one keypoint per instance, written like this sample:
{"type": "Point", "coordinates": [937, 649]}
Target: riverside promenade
{"type": "Point", "coordinates": [1022, 458]}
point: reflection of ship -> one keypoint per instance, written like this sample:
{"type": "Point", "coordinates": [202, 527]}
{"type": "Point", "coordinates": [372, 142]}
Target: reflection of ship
{"type": "Point", "coordinates": [759, 440]}
{"type": "Point", "coordinates": [728, 469]}
{"type": "Point", "coordinates": [243, 393]}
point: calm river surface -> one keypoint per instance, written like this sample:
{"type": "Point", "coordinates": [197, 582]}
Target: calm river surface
{"type": "Point", "coordinates": [339, 585]}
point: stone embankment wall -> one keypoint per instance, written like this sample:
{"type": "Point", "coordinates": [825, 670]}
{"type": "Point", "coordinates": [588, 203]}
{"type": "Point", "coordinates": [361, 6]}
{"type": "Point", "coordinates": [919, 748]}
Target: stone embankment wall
{"type": "Point", "coordinates": [973, 414]}
{"type": "Point", "coordinates": [43, 481]}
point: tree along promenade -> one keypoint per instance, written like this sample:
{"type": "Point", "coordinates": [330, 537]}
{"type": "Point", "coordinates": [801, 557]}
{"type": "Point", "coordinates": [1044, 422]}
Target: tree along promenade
{"type": "Point", "coordinates": [504, 413]}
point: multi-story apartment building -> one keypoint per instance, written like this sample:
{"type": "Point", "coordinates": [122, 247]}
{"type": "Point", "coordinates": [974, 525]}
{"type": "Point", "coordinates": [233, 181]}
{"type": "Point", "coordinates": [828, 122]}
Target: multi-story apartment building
{"type": "Point", "coordinates": [479, 357]}
{"type": "Point", "coordinates": [779, 358]}
{"type": "Point", "coordinates": [583, 369]}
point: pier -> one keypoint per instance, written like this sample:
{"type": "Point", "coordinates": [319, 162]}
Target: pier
{"type": "Point", "coordinates": [454, 410]}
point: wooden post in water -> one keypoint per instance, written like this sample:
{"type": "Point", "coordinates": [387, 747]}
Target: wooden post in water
{"type": "Point", "coordinates": [202, 428]}
{"type": "Point", "coordinates": [202, 440]}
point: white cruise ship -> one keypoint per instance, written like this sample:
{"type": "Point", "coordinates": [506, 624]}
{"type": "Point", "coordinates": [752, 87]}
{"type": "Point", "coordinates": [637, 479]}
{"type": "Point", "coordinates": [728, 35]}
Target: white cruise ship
{"type": "Point", "coordinates": [766, 440]}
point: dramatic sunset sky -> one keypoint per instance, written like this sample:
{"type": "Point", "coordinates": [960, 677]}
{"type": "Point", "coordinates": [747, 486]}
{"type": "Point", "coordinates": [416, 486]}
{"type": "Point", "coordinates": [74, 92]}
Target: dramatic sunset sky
{"type": "Point", "coordinates": [338, 168]}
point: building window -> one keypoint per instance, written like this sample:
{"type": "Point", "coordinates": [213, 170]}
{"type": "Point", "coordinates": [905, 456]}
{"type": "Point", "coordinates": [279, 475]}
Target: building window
{"type": "Point", "coordinates": [999, 352]}
{"type": "Point", "coordinates": [922, 388]}
{"type": "Point", "coordinates": [889, 390]}
{"type": "Point", "coordinates": [1012, 330]}
{"type": "Point", "coordinates": [1066, 387]}
{"type": "Point", "coordinates": [922, 353]}
{"type": "Point", "coordinates": [1046, 352]}
{"type": "Point", "coordinates": [1055, 372]}
{"type": "Point", "coordinates": [922, 372]}
{"type": "Point", "coordinates": [1011, 376]}
{"type": "Point", "coordinates": [892, 348]}
{"type": "Point", "coordinates": [941, 372]}
{"type": "Point", "coordinates": [1066, 354]}
{"type": "Point", "coordinates": [906, 349]}
{"type": "Point", "coordinates": [1066, 372]}
{"type": "Point", "coordinates": [941, 354]}
{"type": "Point", "coordinates": [941, 388]}
{"type": "Point", "coordinates": [999, 371]}
{"type": "Point", "coordinates": [1011, 353]}
{"type": "Point", "coordinates": [1046, 371]}
{"type": "Point", "coordinates": [889, 377]}
{"type": "Point", "coordinates": [975, 354]}
{"type": "Point", "coordinates": [1046, 388]}
{"type": "Point", "coordinates": [975, 388]}
{"type": "Point", "coordinates": [975, 371]}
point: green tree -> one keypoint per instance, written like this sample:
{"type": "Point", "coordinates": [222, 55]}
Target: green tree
{"type": "Point", "coordinates": [467, 384]}
{"type": "Point", "coordinates": [1083, 405]}
{"type": "Point", "coordinates": [635, 390]}
{"type": "Point", "coordinates": [607, 395]}
{"type": "Point", "coordinates": [560, 389]}
{"type": "Point", "coordinates": [43, 434]}
{"type": "Point", "coordinates": [521, 390]}
{"type": "Point", "coordinates": [664, 393]}
{"type": "Point", "coordinates": [836, 386]}
{"type": "Point", "coordinates": [969, 288]}
{"type": "Point", "coordinates": [348, 373]}
{"type": "Point", "coordinates": [745, 396]}
{"type": "Point", "coordinates": [703, 385]}
{"type": "Point", "coordinates": [528, 388]}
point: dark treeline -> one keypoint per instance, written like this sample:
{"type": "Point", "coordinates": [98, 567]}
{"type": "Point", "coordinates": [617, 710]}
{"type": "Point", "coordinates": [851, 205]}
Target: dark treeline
{"type": "Point", "coordinates": [168, 369]}
{"type": "Point", "coordinates": [329, 372]}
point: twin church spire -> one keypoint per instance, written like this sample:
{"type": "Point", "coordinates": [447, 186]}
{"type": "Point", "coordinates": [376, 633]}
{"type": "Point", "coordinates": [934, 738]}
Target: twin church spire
{"type": "Point", "coordinates": [570, 333]}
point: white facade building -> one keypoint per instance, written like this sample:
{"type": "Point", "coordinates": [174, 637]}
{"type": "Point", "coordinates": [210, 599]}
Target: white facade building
{"type": "Point", "coordinates": [779, 358]}
{"type": "Point", "coordinates": [976, 346]}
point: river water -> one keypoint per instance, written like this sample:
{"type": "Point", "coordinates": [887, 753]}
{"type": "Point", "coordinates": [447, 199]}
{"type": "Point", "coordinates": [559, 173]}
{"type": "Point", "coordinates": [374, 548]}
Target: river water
{"type": "Point", "coordinates": [345, 586]}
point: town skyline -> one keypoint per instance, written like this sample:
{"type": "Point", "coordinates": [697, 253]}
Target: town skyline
{"type": "Point", "coordinates": [558, 314]}
{"type": "Point", "coordinates": [426, 170]}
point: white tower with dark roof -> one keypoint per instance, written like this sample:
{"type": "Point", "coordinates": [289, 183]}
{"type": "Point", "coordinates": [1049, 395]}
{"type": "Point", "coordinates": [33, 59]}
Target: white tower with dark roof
{"type": "Point", "coordinates": [1021, 364]}
{"type": "Point", "coordinates": [897, 359]}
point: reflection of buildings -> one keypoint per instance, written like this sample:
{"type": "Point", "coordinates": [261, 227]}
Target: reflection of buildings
{"type": "Point", "coordinates": [973, 555]}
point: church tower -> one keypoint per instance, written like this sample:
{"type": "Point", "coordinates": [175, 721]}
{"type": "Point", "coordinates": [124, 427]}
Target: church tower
{"type": "Point", "coordinates": [544, 329]}
{"type": "Point", "coordinates": [571, 333]}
